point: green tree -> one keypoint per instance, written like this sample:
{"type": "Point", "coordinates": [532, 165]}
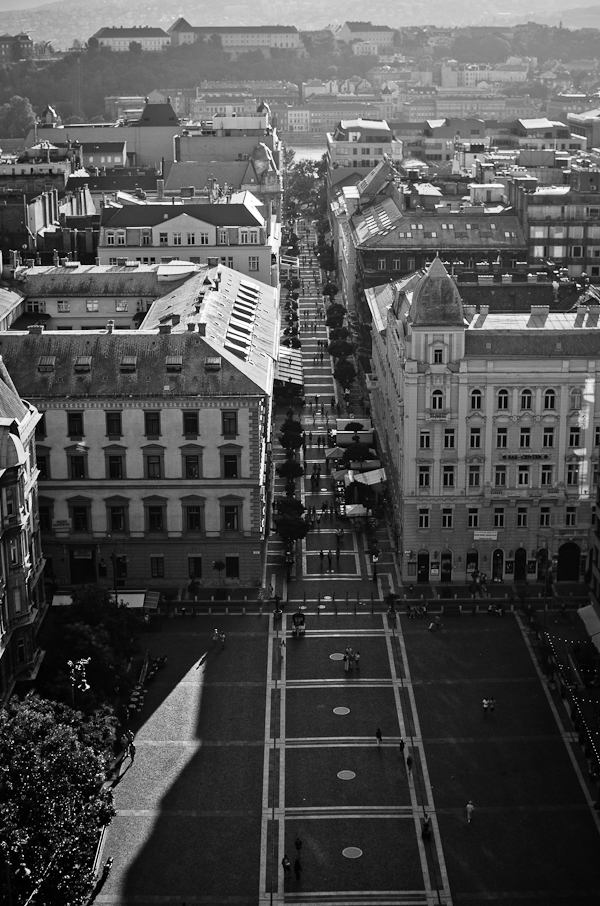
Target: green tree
{"type": "Point", "coordinates": [53, 767]}
{"type": "Point", "coordinates": [290, 528]}
{"type": "Point", "coordinates": [345, 373]}
{"type": "Point", "coordinates": [288, 506]}
{"type": "Point", "coordinates": [290, 469]}
{"type": "Point", "coordinates": [340, 349]}
{"type": "Point", "coordinates": [16, 117]}
{"type": "Point", "coordinates": [356, 453]}
{"type": "Point", "coordinates": [339, 333]}
{"type": "Point", "coordinates": [290, 441]}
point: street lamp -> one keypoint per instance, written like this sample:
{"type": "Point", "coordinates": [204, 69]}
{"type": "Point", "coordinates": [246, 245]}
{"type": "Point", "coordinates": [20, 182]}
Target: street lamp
{"type": "Point", "coordinates": [77, 677]}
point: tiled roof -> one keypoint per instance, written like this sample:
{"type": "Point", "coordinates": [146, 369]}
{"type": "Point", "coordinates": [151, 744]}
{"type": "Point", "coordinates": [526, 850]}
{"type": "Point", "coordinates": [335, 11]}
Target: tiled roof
{"type": "Point", "coordinates": [377, 219]}
{"type": "Point", "coordinates": [113, 180]}
{"type": "Point", "coordinates": [157, 115]}
{"type": "Point", "coordinates": [11, 405]}
{"type": "Point", "coordinates": [419, 229]}
{"type": "Point", "coordinates": [519, 297]}
{"type": "Point", "coordinates": [197, 174]}
{"type": "Point", "coordinates": [539, 343]}
{"type": "Point", "coordinates": [148, 215]}
{"type": "Point", "coordinates": [91, 280]}
{"type": "Point", "coordinates": [110, 31]}
{"type": "Point", "coordinates": [436, 300]}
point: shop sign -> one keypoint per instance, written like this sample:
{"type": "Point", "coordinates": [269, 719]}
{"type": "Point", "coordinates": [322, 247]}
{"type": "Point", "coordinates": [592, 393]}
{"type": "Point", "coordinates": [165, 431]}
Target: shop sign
{"type": "Point", "coordinates": [485, 536]}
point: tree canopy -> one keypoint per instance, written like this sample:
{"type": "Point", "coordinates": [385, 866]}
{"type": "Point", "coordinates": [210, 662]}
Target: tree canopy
{"type": "Point", "coordinates": [53, 765]}
{"type": "Point", "coordinates": [16, 117]}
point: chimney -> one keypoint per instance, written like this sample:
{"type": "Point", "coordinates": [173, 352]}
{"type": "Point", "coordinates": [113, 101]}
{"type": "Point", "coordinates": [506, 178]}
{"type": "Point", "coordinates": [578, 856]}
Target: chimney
{"type": "Point", "coordinates": [191, 326]}
{"type": "Point", "coordinates": [175, 320]}
{"type": "Point", "coordinates": [36, 329]}
{"type": "Point", "coordinates": [110, 326]}
{"type": "Point", "coordinates": [164, 328]}
{"type": "Point", "coordinates": [202, 328]}
{"type": "Point", "coordinates": [484, 310]}
{"type": "Point", "coordinates": [160, 190]}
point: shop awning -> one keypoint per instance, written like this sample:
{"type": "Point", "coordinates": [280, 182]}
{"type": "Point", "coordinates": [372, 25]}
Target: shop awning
{"type": "Point", "coordinates": [372, 479]}
{"type": "Point", "coordinates": [288, 368]}
{"type": "Point", "coordinates": [133, 599]}
{"type": "Point", "coordinates": [334, 453]}
{"type": "Point", "coordinates": [590, 614]}
{"type": "Point", "coordinates": [355, 509]}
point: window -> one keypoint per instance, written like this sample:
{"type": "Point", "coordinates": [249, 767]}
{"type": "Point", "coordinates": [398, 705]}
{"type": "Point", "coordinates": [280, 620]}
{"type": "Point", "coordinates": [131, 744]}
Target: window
{"type": "Point", "coordinates": [76, 466]}
{"type": "Point", "coordinates": [63, 306]}
{"type": "Point", "coordinates": [117, 518]}
{"type": "Point", "coordinates": [571, 516]}
{"type": "Point", "coordinates": [176, 238]}
{"type": "Point", "coordinates": [40, 428]}
{"type": "Point", "coordinates": [475, 438]}
{"type": "Point", "coordinates": [437, 400]}
{"type": "Point", "coordinates": [575, 398]}
{"type": "Point", "coordinates": [155, 518]}
{"type": "Point", "coordinates": [253, 263]}
{"type": "Point", "coordinates": [472, 518]}
{"type": "Point", "coordinates": [525, 437]}
{"type": "Point", "coordinates": [230, 465]}
{"type": "Point", "coordinates": [474, 476]}
{"type": "Point", "coordinates": [549, 399]}
{"type": "Point", "coordinates": [91, 305]}
{"type": "Point", "coordinates": [476, 399]}
{"type": "Point", "coordinates": [75, 424]}
{"type": "Point", "coordinates": [192, 519]}
{"type": "Point", "coordinates": [548, 439]}
{"type": "Point", "coordinates": [425, 440]}
{"type": "Point", "coordinates": [448, 476]}
{"type": "Point", "coordinates": [190, 424]}
{"type": "Point", "coordinates": [157, 567]}
{"type": "Point", "coordinates": [449, 437]}
{"type": "Point", "coordinates": [522, 517]}
{"type": "Point", "coordinates": [191, 239]}
{"type": "Point", "coordinates": [447, 519]}
{"type": "Point", "coordinates": [502, 438]}
{"type": "Point", "coordinates": [547, 475]}
{"type": "Point", "coordinates": [153, 464]}
{"type": "Point", "coordinates": [423, 519]}
{"type": "Point", "coordinates": [195, 567]}
{"type": "Point", "coordinates": [229, 423]}
{"type": "Point", "coordinates": [230, 518]}
{"type": "Point", "coordinates": [499, 517]}
{"type": "Point", "coordinates": [503, 399]}
{"type": "Point", "coordinates": [121, 237]}
{"type": "Point", "coordinates": [203, 238]}
{"type": "Point", "coordinates": [574, 436]}
{"type": "Point", "coordinates": [43, 464]}
{"type": "Point", "coordinates": [573, 474]}
{"type": "Point", "coordinates": [438, 356]}
{"type": "Point", "coordinates": [116, 466]}
{"type": "Point", "coordinates": [424, 476]}
{"type": "Point", "coordinates": [523, 476]}
{"type": "Point", "coordinates": [113, 424]}
{"type": "Point", "coordinates": [500, 476]}
{"type": "Point", "coordinates": [192, 463]}
{"type": "Point", "coordinates": [396, 264]}
{"type": "Point", "coordinates": [232, 567]}
{"type": "Point", "coordinates": [545, 517]}
{"type": "Point", "coordinates": [381, 264]}
{"type": "Point", "coordinates": [110, 237]}
{"type": "Point", "coordinates": [80, 517]}
{"type": "Point", "coordinates": [163, 238]}
{"type": "Point", "coordinates": [526, 399]}
{"type": "Point", "coordinates": [596, 436]}
{"type": "Point", "coordinates": [35, 306]}
{"type": "Point", "coordinates": [121, 305]}
{"type": "Point", "coordinates": [45, 514]}
{"type": "Point", "coordinates": [152, 424]}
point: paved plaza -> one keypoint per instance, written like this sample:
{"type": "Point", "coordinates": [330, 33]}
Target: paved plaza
{"type": "Point", "coordinates": [244, 749]}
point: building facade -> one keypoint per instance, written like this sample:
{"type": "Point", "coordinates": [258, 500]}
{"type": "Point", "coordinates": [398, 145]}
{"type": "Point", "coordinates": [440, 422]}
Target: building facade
{"type": "Point", "coordinates": [487, 403]}
{"type": "Point", "coordinates": [119, 39]}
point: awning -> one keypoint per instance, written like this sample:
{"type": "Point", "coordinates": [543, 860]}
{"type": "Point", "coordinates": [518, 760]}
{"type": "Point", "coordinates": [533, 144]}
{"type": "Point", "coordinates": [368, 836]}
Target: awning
{"type": "Point", "coordinates": [355, 509]}
{"type": "Point", "coordinates": [374, 478]}
{"type": "Point", "coordinates": [591, 619]}
{"type": "Point", "coordinates": [288, 368]}
{"type": "Point", "coordinates": [339, 474]}
{"type": "Point", "coordinates": [334, 453]}
{"type": "Point", "coordinates": [133, 599]}
{"type": "Point", "coordinates": [62, 600]}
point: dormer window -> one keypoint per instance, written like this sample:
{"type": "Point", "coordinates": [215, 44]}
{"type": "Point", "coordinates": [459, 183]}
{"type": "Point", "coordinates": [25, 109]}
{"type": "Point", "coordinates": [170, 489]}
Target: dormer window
{"type": "Point", "coordinates": [438, 356]}
{"type": "Point", "coordinates": [128, 364]}
{"type": "Point", "coordinates": [174, 363]}
{"type": "Point", "coordinates": [46, 363]}
{"type": "Point", "coordinates": [83, 363]}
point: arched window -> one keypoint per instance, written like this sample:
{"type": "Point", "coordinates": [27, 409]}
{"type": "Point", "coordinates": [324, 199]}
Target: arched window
{"type": "Point", "coordinates": [437, 399]}
{"type": "Point", "coordinates": [526, 399]}
{"type": "Point", "coordinates": [476, 399]}
{"type": "Point", "coordinates": [549, 399]}
{"type": "Point", "coordinates": [503, 399]}
{"type": "Point", "coordinates": [576, 398]}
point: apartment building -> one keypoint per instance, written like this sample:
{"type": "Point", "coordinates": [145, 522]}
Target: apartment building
{"type": "Point", "coordinates": [360, 144]}
{"type": "Point", "coordinates": [238, 38]}
{"type": "Point", "coordinates": [119, 39]}
{"type": "Point", "coordinates": [486, 400]}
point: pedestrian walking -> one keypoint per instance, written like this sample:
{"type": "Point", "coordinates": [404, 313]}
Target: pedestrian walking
{"type": "Point", "coordinates": [215, 637]}
{"type": "Point", "coordinates": [222, 638]}
{"type": "Point", "coordinates": [282, 647]}
{"type": "Point", "coordinates": [409, 763]}
{"type": "Point", "coordinates": [298, 845]}
{"type": "Point", "coordinates": [346, 662]}
{"type": "Point", "coordinates": [329, 559]}
{"type": "Point", "coordinates": [297, 869]}
{"type": "Point", "coordinates": [401, 745]}
{"type": "Point", "coordinates": [469, 810]}
{"type": "Point", "coordinates": [491, 705]}
{"type": "Point", "coordinates": [130, 736]}
{"type": "Point", "coordinates": [321, 555]}
{"type": "Point", "coordinates": [318, 520]}
{"type": "Point", "coordinates": [286, 865]}
{"type": "Point", "coordinates": [310, 438]}
{"type": "Point", "coordinates": [426, 829]}
{"type": "Point", "coordinates": [486, 705]}
{"type": "Point", "coordinates": [378, 736]}
{"type": "Point", "coordinates": [337, 555]}
{"type": "Point", "coordinates": [131, 752]}
{"type": "Point", "coordinates": [322, 357]}
{"type": "Point", "coordinates": [316, 399]}
{"type": "Point", "coordinates": [357, 660]}
{"type": "Point", "coordinates": [332, 402]}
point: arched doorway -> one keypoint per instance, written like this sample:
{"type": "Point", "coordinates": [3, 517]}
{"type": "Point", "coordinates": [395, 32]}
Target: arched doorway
{"type": "Point", "coordinates": [423, 566]}
{"type": "Point", "coordinates": [542, 563]}
{"type": "Point", "coordinates": [446, 566]}
{"type": "Point", "coordinates": [498, 565]}
{"type": "Point", "coordinates": [568, 562]}
{"type": "Point", "coordinates": [472, 561]}
{"type": "Point", "coordinates": [520, 565]}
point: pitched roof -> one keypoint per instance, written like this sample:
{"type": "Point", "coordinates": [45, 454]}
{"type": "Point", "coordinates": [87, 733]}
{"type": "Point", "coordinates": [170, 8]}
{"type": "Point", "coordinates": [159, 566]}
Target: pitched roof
{"type": "Point", "coordinates": [436, 300]}
{"type": "Point", "coordinates": [113, 180]}
{"type": "Point", "coordinates": [420, 229]}
{"type": "Point", "coordinates": [92, 280]}
{"type": "Point", "coordinates": [197, 173]}
{"type": "Point", "coordinates": [157, 115]}
{"type": "Point", "coordinates": [11, 404]}
{"type": "Point", "coordinates": [141, 31]}
{"type": "Point", "coordinates": [148, 215]}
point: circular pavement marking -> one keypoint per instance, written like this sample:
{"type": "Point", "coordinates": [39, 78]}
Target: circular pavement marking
{"type": "Point", "coordinates": [341, 710]}
{"type": "Point", "coordinates": [352, 852]}
{"type": "Point", "coordinates": [346, 775]}
{"type": "Point", "coordinates": [336, 656]}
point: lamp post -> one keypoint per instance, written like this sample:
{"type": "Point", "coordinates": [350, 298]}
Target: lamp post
{"type": "Point", "coordinates": [77, 677]}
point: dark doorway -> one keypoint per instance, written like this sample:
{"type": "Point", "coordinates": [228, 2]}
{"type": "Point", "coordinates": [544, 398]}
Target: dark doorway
{"type": "Point", "coordinates": [82, 563]}
{"type": "Point", "coordinates": [520, 565]}
{"type": "Point", "coordinates": [423, 566]}
{"type": "Point", "coordinates": [472, 562]}
{"type": "Point", "coordinates": [498, 565]}
{"type": "Point", "coordinates": [446, 566]}
{"type": "Point", "coordinates": [542, 563]}
{"type": "Point", "coordinates": [568, 562]}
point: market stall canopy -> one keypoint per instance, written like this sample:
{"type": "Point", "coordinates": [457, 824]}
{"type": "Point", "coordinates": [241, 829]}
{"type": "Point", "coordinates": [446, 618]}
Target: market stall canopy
{"type": "Point", "coordinates": [334, 453]}
{"type": "Point", "coordinates": [372, 479]}
{"type": "Point", "coordinates": [339, 474]}
{"type": "Point", "coordinates": [355, 509]}
{"type": "Point", "coordinates": [133, 598]}
{"type": "Point", "coordinates": [288, 368]}
{"type": "Point", "coordinates": [590, 614]}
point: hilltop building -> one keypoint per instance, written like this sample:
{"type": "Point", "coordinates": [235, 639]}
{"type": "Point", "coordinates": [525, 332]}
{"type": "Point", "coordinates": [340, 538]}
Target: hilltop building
{"type": "Point", "coordinates": [120, 38]}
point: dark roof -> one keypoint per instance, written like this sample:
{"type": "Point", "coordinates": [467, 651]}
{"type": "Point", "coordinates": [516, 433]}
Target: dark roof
{"type": "Point", "coordinates": [102, 146]}
{"type": "Point", "coordinates": [22, 352]}
{"type": "Point", "coordinates": [455, 231]}
{"type": "Point", "coordinates": [11, 405]}
{"type": "Point", "coordinates": [519, 297]}
{"type": "Point", "coordinates": [91, 280]}
{"type": "Point", "coordinates": [142, 31]}
{"type": "Point", "coordinates": [367, 26]}
{"type": "Point", "coordinates": [197, 174]}
{"type": "Point", "coordinates": [538, 343]}
{"type": "Point", "coordinates": [436, 300]}
{"type": "Point", "coordinates": [115, 180]}
{"type": "Point", "coordinates": [157, 115]}
{"type": "Point", "coordinates": [244, 29]}
{"type": "Point", "coordinates": [152, 214]}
